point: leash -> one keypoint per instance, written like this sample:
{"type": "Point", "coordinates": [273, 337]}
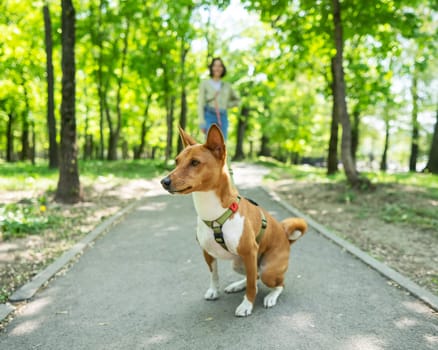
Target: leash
{"type": "Point", "coordinates": [216, 107]}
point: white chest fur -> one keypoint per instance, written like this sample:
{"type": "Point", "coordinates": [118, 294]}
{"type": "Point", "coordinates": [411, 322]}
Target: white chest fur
{"type": "Point", "coordinates": [208, 207]}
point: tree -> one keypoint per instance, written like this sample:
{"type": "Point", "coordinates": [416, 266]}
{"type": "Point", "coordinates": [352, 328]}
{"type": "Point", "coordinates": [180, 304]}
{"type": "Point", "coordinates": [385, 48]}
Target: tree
{"type": "Point", "coordinates": [432, 163]}
{"type": "Point", "coordinates": [114, 130]}
{"type": "Point", "coordinates": [242, 124]}
{"type": "Point", "coordinates": [341, 105]}
{"type": "Point", "coordinates": [51, 121]}
{"type": "Point", "coordinates": [69, 188]}
{"type": "Point", "coordinates": [415, 125]}
{"type": "Point", "coordinates": [332, 157]}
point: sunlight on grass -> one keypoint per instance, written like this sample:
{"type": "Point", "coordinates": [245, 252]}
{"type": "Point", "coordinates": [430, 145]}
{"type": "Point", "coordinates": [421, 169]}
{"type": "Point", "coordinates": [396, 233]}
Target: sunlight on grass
{"type": "Point", "coordinates": [28, 177]}
{"type": "Point", "coordinates": [281, 171]}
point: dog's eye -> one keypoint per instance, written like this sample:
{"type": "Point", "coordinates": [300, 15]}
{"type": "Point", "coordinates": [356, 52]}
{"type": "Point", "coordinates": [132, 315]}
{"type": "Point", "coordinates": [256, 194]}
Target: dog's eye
{"type": "Point", "coordinates": [194, 162]}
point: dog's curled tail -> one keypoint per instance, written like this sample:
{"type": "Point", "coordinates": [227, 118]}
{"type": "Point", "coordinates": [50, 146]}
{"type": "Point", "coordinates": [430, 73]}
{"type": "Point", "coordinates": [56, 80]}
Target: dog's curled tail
{"type": "Point", "coordinates": [294, 228]}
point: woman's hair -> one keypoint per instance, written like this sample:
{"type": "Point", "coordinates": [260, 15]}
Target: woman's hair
{"type": "Point", "coordinates": [210, 66]}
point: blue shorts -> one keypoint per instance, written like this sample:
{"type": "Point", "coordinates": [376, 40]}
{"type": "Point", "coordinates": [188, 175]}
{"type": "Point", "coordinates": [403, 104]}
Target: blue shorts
{"type": "Point", "coordinates": [211, 118]}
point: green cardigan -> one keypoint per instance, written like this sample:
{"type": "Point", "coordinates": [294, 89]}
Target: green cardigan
{"type": "Point", "coordinates": [227, 98]}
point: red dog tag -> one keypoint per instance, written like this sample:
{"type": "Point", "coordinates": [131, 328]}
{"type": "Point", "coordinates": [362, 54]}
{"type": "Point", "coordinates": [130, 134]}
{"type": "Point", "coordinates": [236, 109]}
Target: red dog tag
{"type": "Point", "coordinates": [234, 207]}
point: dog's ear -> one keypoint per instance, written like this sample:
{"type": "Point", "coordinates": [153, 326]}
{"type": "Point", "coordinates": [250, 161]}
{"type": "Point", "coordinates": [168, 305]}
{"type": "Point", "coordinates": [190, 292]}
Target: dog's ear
{"type": "Point", "coordinates": [186, 139]}
{"type": "Point", "coordinates": [215, 141]}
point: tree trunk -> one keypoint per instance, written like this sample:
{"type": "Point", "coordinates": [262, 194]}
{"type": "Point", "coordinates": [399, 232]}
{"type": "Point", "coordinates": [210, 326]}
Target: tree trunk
{"type": "Point", "coordinates": [432, 163]}
{"type": "Point", "coordinates": [10, 138]}
{"type": "Point", "coordinates": [144, 129]}
{"type": "Point", "coordinates": [384, 161]}
{"type": "Point", "coordinates": [100, 89]}
{"type": "Point", "coordinates": [88, 147]}
{"type": "Point", "coordinates": [332, 158]}
{"type": "Point", "coordinates": [88, 144]}
{"type": "Point", "coordinates": [170, 105]}
{"type": "Point", "coordinates": [183, 113]}
{"type": "Point", "coordinates": [51, 121]}
{"type": "Point", "coordinates": [114, 135]}
{"type": "Point", "coordinates": [33, 147]}
{"type": "Point", "coordinates": [415, 126]}
{"type": "Point", "coordinates": [25, 145]}
{"type": "Point", "coordinates": [69, 188]}
{"type": "Point", "coordinates": [241, 127]}
{"type": "Point", "coordinates": [341, 104]}
{"type": "Point", "coordinates": [355, 134]}
{"type": "Point", "coordinates": [264, 146]}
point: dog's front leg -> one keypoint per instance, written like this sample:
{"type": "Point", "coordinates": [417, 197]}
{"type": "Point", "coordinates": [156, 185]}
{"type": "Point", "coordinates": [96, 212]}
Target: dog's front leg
{"type": "Point", "coordinates": [250, 261]}
{"type": "Point", "coordinates": [212, 292]}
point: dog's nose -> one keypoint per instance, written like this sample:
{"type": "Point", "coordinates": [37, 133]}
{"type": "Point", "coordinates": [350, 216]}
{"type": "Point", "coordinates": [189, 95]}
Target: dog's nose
{"type": "Point", "coordinates": [166, 182]}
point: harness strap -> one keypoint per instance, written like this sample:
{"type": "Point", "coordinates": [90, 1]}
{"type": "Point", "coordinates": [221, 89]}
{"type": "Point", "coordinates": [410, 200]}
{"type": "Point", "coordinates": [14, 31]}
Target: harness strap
{"type": "Point", "coordinates": [263, 228]}
{"type": "Point", "coordinates": [216, 225]}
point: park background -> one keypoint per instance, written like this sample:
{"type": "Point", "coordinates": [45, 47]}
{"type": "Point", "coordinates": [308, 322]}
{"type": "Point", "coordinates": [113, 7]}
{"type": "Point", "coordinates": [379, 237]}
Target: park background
{"type": "Point", "coordinates": [138, 65]}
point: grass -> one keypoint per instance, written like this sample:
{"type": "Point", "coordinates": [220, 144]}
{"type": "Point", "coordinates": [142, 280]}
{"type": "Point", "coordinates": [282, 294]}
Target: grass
{"type": "Point", "coordinates": [16, 176]}
{"type": "Point", "coordinates": [396, 188]}
{"type": "Point", "coordinates": [30, 216]}
{"type": "Point", "coordinates": [281, 171]}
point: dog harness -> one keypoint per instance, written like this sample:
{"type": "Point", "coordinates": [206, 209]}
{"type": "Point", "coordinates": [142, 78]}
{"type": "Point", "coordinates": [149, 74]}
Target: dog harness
{"type": "Point", "coordinates": [216, 225]}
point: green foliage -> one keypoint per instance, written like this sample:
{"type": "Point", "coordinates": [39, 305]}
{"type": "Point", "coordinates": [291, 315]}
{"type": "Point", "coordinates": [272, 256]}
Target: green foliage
{"type": "Point", "coordinates": [19, 220]}
{"type": "Point", "coordinates": [132, 169]}
{"type": "Point", "coordinates": [422, 217]}
{"type": "Point", "coordinates": [278, 57]}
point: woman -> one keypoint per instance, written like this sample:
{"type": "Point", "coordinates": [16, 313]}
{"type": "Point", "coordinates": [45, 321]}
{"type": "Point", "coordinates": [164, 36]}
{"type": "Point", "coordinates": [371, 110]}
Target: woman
{"type": "Point", "coordinates": [215, 96]}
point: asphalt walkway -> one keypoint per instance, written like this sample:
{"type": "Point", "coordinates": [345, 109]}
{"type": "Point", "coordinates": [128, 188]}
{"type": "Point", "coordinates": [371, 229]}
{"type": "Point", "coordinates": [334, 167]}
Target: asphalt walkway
{"type": "Point", "coordinates": [141, 286]}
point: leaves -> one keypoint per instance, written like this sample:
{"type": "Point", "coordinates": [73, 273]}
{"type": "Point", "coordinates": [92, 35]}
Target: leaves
{"type": "Point", "coordinates": [278, 55]}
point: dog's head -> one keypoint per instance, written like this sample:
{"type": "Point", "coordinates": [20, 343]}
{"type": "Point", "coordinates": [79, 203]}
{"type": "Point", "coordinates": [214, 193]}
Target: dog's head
{"type": "Point", "coordinates": [198, 166]}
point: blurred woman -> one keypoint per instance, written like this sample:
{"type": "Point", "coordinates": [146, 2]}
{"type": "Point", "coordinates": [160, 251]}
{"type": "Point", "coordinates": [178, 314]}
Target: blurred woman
{"type": "Point", "coordinates": [215, 97]}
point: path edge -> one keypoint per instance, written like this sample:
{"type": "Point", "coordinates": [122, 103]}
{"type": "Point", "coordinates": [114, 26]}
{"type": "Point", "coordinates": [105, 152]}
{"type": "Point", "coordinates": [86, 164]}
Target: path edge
{"type": "Point", "coordinates": [386, 271]}
{"type": "Point", "coordinates": [28, 290]}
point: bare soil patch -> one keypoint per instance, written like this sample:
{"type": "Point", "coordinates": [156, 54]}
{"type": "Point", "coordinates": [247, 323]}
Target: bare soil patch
{"type": "Point", "coordinates": [396, 223]}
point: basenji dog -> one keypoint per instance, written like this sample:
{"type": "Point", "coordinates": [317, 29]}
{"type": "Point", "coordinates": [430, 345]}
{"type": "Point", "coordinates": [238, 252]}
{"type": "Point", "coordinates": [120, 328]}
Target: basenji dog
{"type": "Point", "coordinates": [231, 227]}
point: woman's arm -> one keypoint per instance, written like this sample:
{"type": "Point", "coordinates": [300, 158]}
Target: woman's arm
{"type": "Point", "coordinates": [201, 105]}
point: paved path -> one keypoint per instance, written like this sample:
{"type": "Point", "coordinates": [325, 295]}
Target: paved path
{"type": "Point", "coordinates": [141, 286]}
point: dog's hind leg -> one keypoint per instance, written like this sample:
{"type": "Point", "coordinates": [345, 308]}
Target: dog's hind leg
{"type": "Point", "coordinates": [271, 299]}
{"type": "Point", "coordinates": [237, 286]}
{"type": "Point", "coordinates": [273, 268]}
{"type": "Point", "coordinates": [240, 285]}
{"type": "Point", "coordinates": [213, 291]}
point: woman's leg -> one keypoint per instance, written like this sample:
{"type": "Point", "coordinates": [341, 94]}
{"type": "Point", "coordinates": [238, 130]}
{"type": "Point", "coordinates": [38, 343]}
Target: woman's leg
{"type": "Point", "coordinates": [224, 122]}
{"type": "Point", "coordinates": [210, 118]}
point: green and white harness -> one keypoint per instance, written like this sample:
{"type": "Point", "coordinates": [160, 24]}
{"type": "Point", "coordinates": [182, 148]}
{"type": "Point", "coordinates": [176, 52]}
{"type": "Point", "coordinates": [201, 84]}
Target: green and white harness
{"type": "Point", "coordinates": [216, 225]}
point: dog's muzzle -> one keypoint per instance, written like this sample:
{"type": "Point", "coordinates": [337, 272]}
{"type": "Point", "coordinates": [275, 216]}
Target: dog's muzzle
{"type": "Point", "coordinates": [166, 183]}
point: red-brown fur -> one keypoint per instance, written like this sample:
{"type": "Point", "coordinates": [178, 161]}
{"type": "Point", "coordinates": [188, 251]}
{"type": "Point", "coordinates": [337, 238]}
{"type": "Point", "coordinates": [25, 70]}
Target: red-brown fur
{"type": "Point", "coordinates": [211, 174]}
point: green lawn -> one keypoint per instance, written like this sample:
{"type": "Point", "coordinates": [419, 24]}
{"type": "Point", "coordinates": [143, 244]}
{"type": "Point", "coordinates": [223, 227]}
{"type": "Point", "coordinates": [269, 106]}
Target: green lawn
{"type": "Point", "coordinates": [308, 173]}
{"type": "Point", "coordinates": [410, 198]}
{"type": "Point", "coordinates": [25, 176]}
{"type": "Point", "coordinates": [30, 215]}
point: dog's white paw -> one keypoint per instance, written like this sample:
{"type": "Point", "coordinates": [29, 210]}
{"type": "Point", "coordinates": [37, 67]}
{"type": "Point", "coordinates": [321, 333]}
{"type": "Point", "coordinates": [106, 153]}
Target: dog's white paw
{"type": "Point", "coordinates": [211, 294]}
{"type": "Point", "coordinates": [245, 308]}
{"type": "Point", "coordinates": [271, 299]}
{"type": "Point", "coordinates": [236, 286]}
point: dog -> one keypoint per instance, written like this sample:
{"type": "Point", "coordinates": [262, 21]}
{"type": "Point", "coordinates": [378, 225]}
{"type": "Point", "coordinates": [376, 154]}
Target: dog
{"type": "Point", "coordinates": [231, 227]}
